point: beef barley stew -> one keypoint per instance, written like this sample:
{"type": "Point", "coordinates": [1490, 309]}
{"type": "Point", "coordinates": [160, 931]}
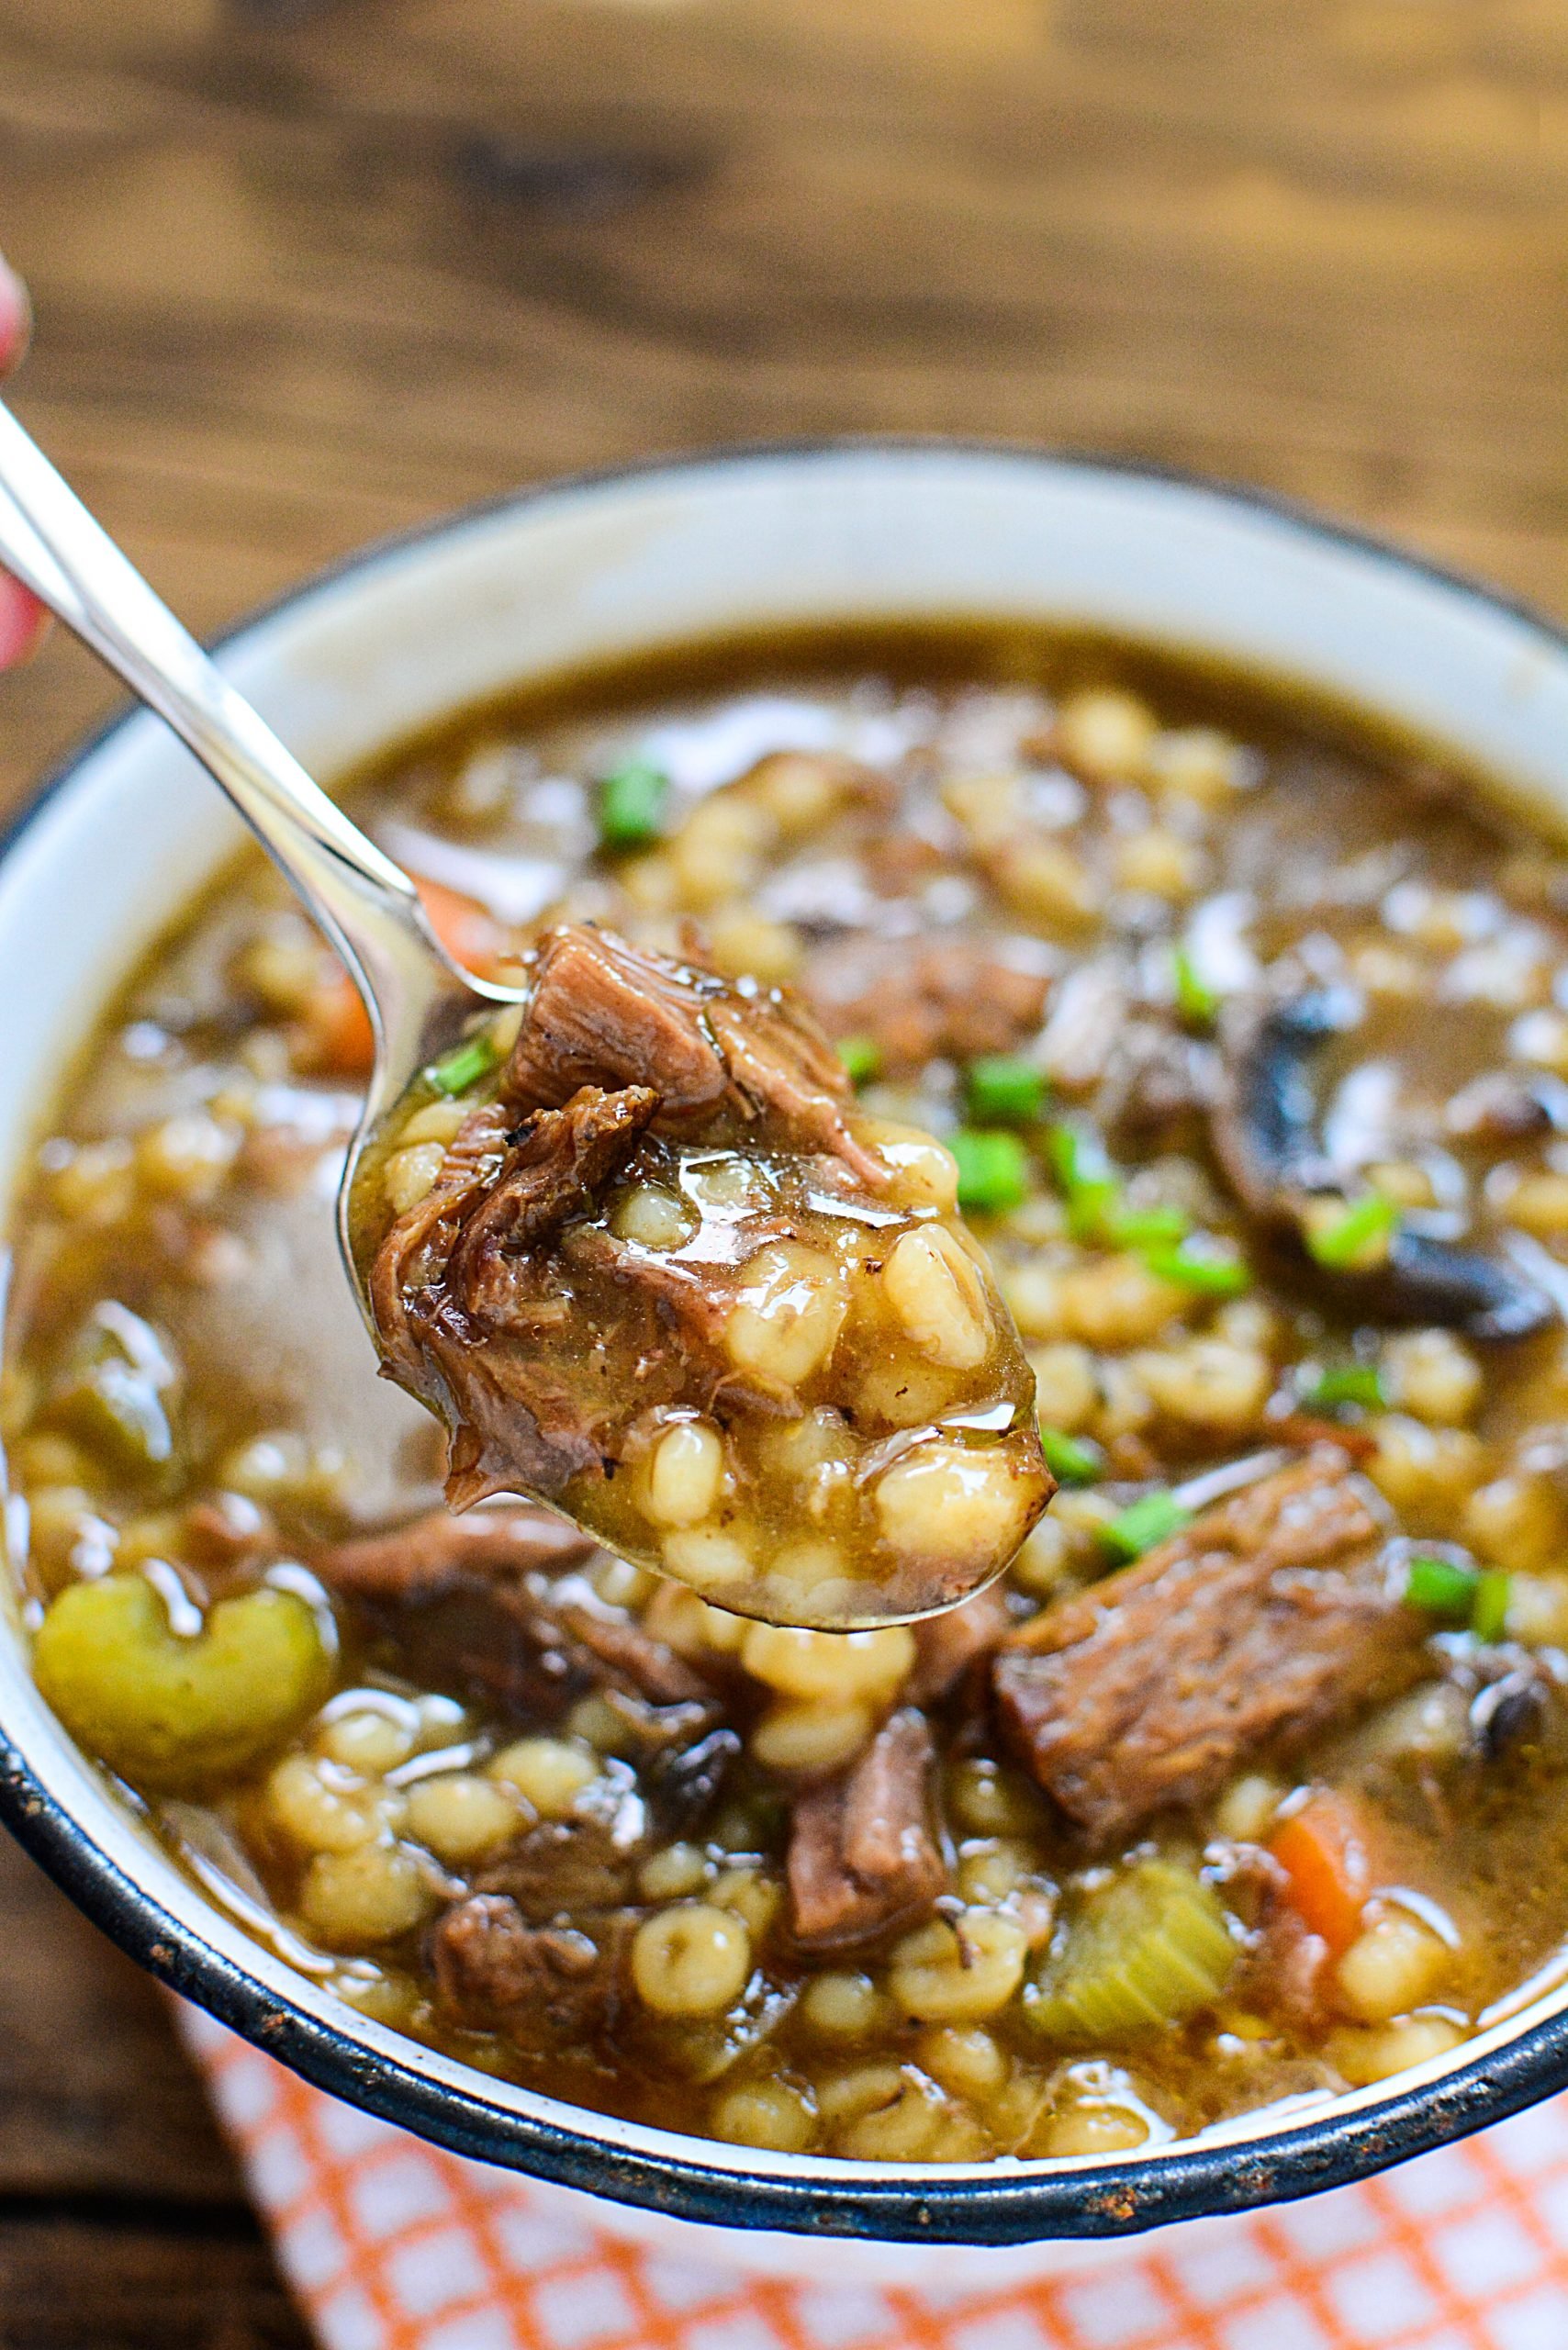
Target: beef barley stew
{"type": "Point", "coordinates": [1242, 1786]}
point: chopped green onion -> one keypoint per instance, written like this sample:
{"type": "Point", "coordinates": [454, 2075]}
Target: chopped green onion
{"type": "Point", "coordinates": [1489, 1617]}
{"type": "Point", "coordinates": [1154, 1227]}
{"type": "Point", "coordinates": [1477, 1596]}
{"type": "Point", "coordinates": [1071, 1460]}
{"type": "Point", "coordinates": [862, 1059]}
{"type": "Point", "coordinates": [1004, 1090]}
{"type": "Point", "coordinates": [1195, 1000]}
{"type": "Point", "coordinates": [473, 1060]}
{"type": "Point", "coordinates": [1143, 1524]}
{"type": "Point", "coordinates": [1440, 1587]}
{"type": "Point", "coordinates": [632, 805]}
{"type": "Point", "coordinates": [1093, 1187]}
{"type": "Point", "coordinates": [1341, 1243]}
{"type": "Point", "coordinates": [993, 1168]}
{"type": "Point", "coordinates": [1346, 1382]}
{"type": "Point", "coordinates": [1092, 1207]}
{"type": "Point", "coordinates": [1204, 1272]}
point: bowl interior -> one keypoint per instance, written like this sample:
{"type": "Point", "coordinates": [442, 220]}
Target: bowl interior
{"type": "Point", "coordinates": [581, 573]}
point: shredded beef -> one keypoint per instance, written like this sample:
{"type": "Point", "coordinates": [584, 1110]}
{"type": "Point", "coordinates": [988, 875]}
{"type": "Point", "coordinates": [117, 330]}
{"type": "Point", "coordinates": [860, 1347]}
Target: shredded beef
{"type": "Point", "coordinates": [483, 1290]}
{"type": "Point", "coordinates": [549, 1987]}
{"type": "Point", "coordinates": [483, 1602]}
{"type": "Point", "coordinates": [1266, 1619]}
{"type": "Point", "coordinates": [437, 1552]}
{"type": "Point", "coordinates": [568, 1868]}
{"type": "Point", "coordinates": [864, 1850]}
{"type": "Point", "coordinates": [605, 1013]}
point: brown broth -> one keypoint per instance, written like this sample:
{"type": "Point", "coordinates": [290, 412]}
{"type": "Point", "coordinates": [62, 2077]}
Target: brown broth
{"type": "Point", "coordinates": [1051, 843]}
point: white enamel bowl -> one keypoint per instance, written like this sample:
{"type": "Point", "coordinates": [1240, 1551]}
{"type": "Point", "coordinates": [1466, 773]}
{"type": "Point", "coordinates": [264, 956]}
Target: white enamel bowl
{"type": "Point", "coordinates": [581, 573]}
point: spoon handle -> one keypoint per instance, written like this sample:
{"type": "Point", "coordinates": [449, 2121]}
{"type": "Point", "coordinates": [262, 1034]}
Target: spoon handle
{"type": "Point", "coordinates": [366, 905]}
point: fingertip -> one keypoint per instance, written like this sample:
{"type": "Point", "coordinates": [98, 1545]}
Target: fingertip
{"type": "Point", "coordinates": [16, 316]}
{"type": "Point", "coordinates": [23, 621]}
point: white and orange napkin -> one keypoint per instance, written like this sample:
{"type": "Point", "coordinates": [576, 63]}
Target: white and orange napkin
{"type": "Point", "coordinates": [393, 2245]}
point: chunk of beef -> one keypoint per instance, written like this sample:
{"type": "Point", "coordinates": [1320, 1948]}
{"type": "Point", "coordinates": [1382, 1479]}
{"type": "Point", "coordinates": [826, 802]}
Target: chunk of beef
{"type": "Point", "coordinates": [603, 1012]}
{"type": "Point", "coordinates": [864, 1850]}
{"type": "Point", "coordinates": [569, 1868]}
{"type": "Point", "coordinates": [949, 1646]}
{"type": "Point", "coordinates": [460, 1300]}
{"type": "Point", "coordinates": [956, 998]}
{"type": "Point", "coordinates": [438, 1551]}
{"type": "Point", "coordinates": [548, 1986]}
{"type": "Point", "coordinates": [503, 1303]}
{"type": "Point", "coordinates": [1267, 1617]}
{"type": "Point", "coordinates": [481, 1609]}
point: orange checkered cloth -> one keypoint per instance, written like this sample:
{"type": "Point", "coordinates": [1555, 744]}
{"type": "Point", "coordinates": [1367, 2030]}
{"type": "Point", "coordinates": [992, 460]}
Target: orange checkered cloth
{"type": "Point", "coordinates": [393, 2245]}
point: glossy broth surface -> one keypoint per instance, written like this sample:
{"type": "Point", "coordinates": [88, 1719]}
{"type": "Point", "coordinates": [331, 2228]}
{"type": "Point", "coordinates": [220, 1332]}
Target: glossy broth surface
{"type": "Point", "coordinates": [943, 1893]}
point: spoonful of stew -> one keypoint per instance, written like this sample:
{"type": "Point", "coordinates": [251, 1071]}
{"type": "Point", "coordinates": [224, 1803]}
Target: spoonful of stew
{"type": "Point", "coordinates": [621, 1227]}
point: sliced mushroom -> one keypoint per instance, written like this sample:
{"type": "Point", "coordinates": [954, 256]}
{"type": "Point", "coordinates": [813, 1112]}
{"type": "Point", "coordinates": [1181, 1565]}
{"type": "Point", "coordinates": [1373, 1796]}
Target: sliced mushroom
{"type": "Point", "coordinates": [1265, 1134]}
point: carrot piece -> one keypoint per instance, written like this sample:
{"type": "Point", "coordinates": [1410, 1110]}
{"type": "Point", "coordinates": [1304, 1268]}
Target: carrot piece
{"type": "Point", "coordinates": [1322, 1850]}
{"type": "Point", "coordinates": [469, 933]}
{"type": "Point", "coordinates": [340, 1040]}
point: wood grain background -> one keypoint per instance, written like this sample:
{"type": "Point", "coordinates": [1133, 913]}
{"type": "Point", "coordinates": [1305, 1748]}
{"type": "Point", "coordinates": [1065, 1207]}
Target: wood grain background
{"type": "Point", "coordinates": [310, 272]}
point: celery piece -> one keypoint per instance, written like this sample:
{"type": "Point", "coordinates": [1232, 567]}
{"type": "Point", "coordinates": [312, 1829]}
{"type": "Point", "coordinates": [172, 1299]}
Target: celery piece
{"type": "Point", "coordinates": [117, 1391]}
{"type": "Point", "coordinates": [1206, 1272]}
{"type": "Point", "coordinates": [1441, 1587]}
{"type": "Point", "coordinates": [1195, 1000]}
{"type": "Point", "coordinates": [1346, 1382]}
{"type": "Point", "coordinates": [1489, 1613]}
{"type": "Point", "coordinates": [173, 1712]}
{"type": "Point", "coordinates": [1150, 1949]}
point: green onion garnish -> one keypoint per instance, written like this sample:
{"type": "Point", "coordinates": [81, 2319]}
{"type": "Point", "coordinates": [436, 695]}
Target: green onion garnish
{"type": "Point", "coordinates": [1346, 1382]}
{"type": "Point", "coordinates": [1091, 1208]}
{"type": "Point", "coordinates": [1154, 1227]}
{"type": "Point", "coordinates": [993, 1168]}
{"type": "Point", "coordinates": [862, 1059]}
{"type": "Point", "coordinates": [1489, 1615]}
{"type": "Point", "coordinates": [1143, 1524]}
{"type": "Point", "coordinates": [1366, 1221]}
{"type": "Point", "coordinates": [1071, 1460]}
{"type": "Point", "coordinates": [464, 1066]}
{"type": "Point", "coordinates": [1195, 1000]}
{"type": "Point", "coordinates": [1203, 1270]}
{"type": "Point", "coordinates": [1004, 1090]}
{"type": "Point", "coordinates": [632, 805]}
{"type": "Point", "coordinates": [1440, 1587]}
{"type": "Point", "coordinates": [1477, 1596]}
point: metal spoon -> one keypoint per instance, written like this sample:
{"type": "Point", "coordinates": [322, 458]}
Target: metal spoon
{"type": "Point", "coordinates": [417, 997]}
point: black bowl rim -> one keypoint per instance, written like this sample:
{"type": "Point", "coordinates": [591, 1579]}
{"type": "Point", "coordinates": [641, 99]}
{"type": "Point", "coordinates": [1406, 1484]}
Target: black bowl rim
{"type": "Point", "coordinates": [1005, 2203]}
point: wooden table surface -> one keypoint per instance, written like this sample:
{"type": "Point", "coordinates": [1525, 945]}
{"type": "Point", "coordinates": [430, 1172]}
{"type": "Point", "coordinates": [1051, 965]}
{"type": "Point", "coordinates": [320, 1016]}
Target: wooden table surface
{"type": "Point", "coordinates": [310, 272]}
